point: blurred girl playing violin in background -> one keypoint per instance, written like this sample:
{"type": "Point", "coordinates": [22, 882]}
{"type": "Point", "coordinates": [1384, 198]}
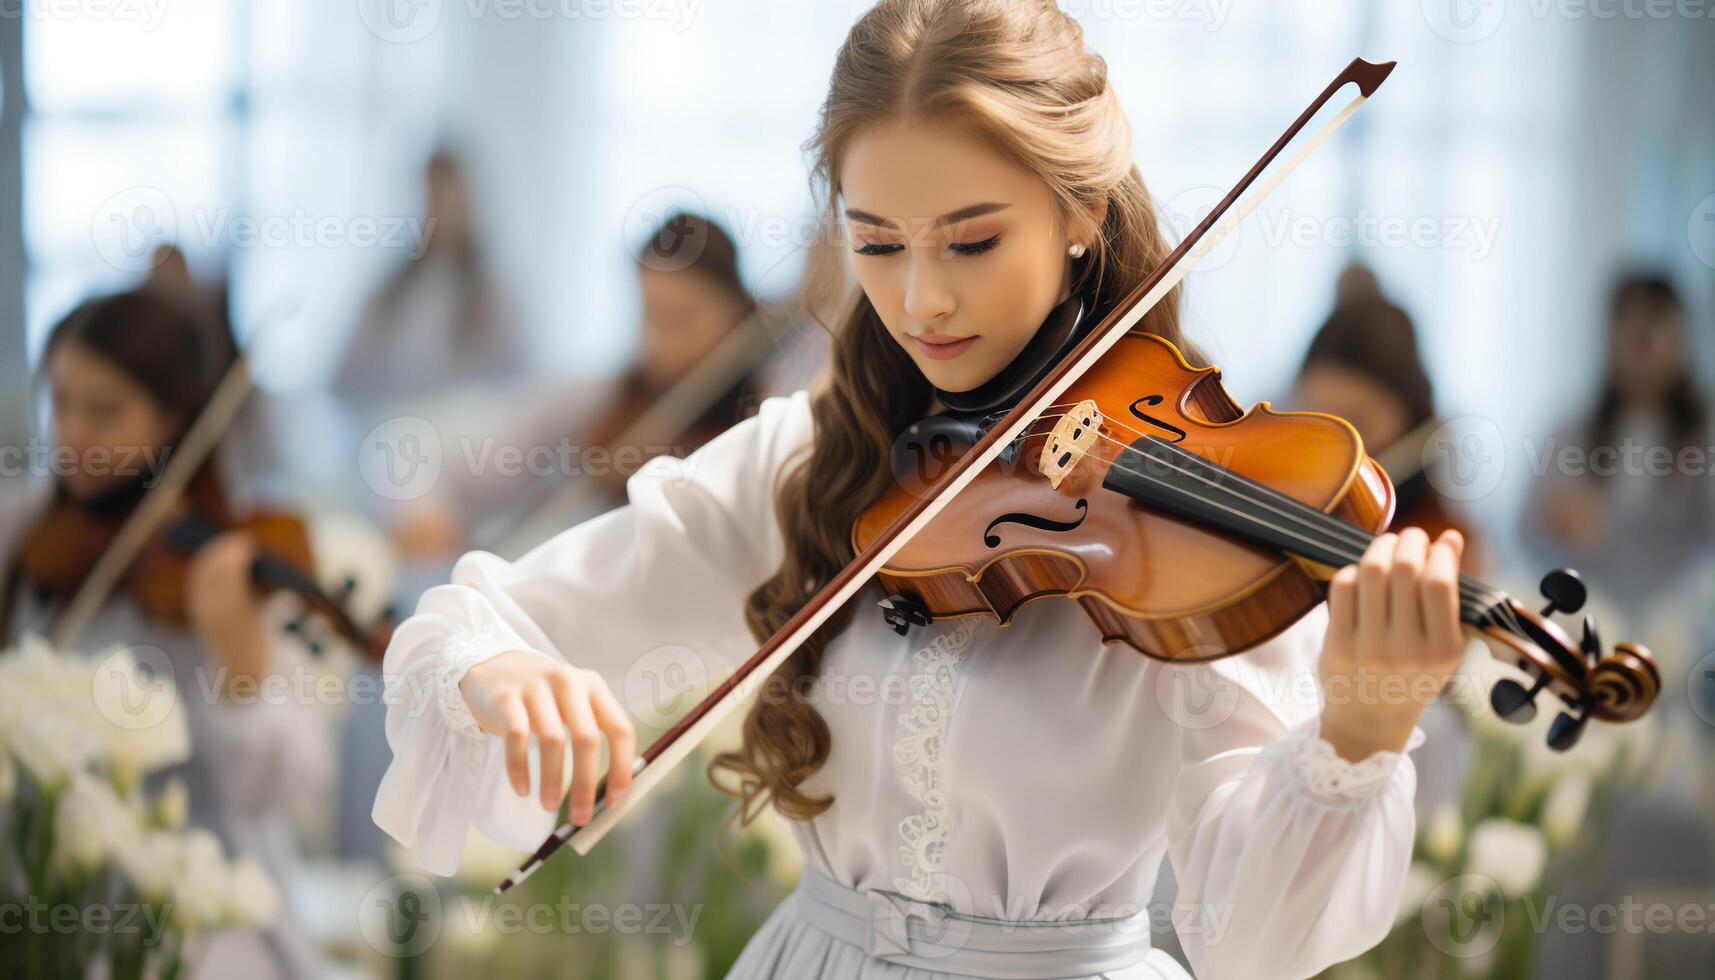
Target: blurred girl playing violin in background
{"type": "Point", "coordinates": [127, 374]}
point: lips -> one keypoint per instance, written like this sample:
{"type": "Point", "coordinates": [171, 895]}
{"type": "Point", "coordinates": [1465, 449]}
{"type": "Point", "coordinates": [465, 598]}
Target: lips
{"type": "Point", "coordinates": [941, 347]}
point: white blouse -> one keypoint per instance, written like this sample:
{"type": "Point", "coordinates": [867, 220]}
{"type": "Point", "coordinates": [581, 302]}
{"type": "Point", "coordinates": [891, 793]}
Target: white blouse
{"type": "Point", "coordinates": [1026, 772]}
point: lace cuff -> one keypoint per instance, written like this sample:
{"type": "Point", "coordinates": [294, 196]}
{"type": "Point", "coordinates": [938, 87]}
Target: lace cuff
{"type": "Point", "coordinates": [462, 652]}
{"type": "Point", "coordinates": [1322, 774]}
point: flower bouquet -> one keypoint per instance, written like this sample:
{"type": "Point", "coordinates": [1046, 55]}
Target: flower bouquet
{"type": "Point", "coordinates": [95, 879]}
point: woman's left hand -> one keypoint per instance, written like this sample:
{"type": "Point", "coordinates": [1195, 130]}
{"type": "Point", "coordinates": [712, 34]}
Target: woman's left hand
{"type": "Point", "coordinates": [225, 611]}
{"type": "Point", "coordinates": [1393, 639]}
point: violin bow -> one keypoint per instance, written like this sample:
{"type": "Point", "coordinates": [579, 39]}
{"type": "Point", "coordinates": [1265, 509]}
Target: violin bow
{"type": "Point", "coordinates": [677, 742]}
{"type": "Point", "coordinates": [185, 457]}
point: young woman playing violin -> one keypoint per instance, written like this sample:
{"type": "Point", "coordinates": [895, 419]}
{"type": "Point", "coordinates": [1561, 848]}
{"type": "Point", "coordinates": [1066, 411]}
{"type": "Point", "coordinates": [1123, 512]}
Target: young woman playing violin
{"type": "Point", "coordinates": [127, 373]}
{"type": "Point", "coordinates": [1001, 802]}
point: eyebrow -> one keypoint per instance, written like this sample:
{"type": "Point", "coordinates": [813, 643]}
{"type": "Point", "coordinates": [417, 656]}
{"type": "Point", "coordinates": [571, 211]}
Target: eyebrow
{"type": "Point", "coordinates": [970, 211]}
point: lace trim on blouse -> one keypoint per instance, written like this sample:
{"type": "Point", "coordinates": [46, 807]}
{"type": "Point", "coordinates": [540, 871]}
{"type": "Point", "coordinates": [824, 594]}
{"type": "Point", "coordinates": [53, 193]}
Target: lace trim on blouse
{"type": "Point", "coordinates": [919, 750]}
{"type": "Point", "coordinates": [462, 652]}
{"type": "Point", "coordinates": [1321, 773]}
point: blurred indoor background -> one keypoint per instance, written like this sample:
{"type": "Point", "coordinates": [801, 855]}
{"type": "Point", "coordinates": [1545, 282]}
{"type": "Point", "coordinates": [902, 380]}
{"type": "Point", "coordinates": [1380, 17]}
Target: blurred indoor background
{"type": "Point", "coordinates": [1526, 159]}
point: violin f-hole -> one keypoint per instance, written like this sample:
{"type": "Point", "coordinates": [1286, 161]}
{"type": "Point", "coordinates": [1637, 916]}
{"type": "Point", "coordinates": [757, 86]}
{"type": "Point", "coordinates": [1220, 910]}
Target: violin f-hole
{"type": "Point", "coordinates": [1153, 400]}
{"type": "Point", "coordinates": [1033, 520]}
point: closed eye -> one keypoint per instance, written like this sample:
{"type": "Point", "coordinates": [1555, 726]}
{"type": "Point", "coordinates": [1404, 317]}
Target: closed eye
{"type": "Point", "coordinates": [975, 248]}
{"type": "Point", "coordinates": [963, 248]}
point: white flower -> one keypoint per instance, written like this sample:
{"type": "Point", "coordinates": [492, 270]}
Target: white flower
{"type": "Point", "coordinates": [252, 899]}
{"type": "Point", "coordinates": [173, 805]}
{"type": "Point", "coordinates": [140, 716]}
{"type": "Point", "coordinates": [1445, 833]}
{"type": "Point", "coordinates": [1563, 811]}
{"type": "Point", "coordinates": [1510, 853]}
{"type": "Point", "coordinates": [91, 824]}
{"type": "Point", "coordinates": [199, 887]}
{"type": "Point", "coordinates": [53, 748]}
{"type": "Point", "coordinates": [1420, 880]}
{"type": "Point", "coordinates": [152, 864]}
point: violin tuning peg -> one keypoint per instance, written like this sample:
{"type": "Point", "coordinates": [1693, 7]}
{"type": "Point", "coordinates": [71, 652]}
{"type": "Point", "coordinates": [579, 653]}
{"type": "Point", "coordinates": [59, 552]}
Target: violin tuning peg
{"type": "Point", "coordinates": [1592, 641]}
{"type": "Point", "coordinates": [1564, 590]}
{"type": "Point", "coordinates": [1513, 702]}
{"type": "Point", "coordinates": [1566, 729]}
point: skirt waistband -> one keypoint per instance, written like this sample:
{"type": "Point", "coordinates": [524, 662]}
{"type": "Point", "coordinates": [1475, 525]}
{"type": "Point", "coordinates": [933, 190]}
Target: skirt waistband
{"type": "Point", "coordinates": [931, 936]}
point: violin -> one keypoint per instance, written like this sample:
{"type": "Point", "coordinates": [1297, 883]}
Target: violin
{"type": "Point", "coordinates": [1080, 462]}
{"type": "Point", "coordinates": [1192, 530]}
{"type": "Point", "coordinates": [62, 547]}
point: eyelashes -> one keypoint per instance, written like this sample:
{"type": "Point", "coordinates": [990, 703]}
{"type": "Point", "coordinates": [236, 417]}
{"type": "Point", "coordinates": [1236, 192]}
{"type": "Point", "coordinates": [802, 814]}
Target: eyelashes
{"type": "Point", "coordinates": [963, 248]}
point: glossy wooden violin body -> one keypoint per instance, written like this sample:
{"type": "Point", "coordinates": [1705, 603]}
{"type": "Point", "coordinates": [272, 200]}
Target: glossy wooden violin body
{"type": "Point", "coordinates": [1192, 530]}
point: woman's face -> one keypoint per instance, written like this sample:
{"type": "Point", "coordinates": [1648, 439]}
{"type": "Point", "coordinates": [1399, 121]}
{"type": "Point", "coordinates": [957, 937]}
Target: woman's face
{"type": "Point", "coordinates": [960, 251]}
{"type": "Point", "coordinates": [685, 314]}
{"type": "Point", "coordinates": [107, 424]}
{"type": "Point", "coordinates": [1647, 347]}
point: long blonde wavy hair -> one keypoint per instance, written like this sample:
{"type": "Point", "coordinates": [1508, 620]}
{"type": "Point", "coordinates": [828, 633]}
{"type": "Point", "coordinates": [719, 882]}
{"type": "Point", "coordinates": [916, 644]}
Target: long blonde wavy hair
{"type": "Point", "coordinates": [1015, 74]}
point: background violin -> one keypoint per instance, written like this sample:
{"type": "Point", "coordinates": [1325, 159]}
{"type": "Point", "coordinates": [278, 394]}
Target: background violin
{"type": "Point", "coordinates": [1192, 530]}
{"type": "Point", "coordinates": [62, 548]}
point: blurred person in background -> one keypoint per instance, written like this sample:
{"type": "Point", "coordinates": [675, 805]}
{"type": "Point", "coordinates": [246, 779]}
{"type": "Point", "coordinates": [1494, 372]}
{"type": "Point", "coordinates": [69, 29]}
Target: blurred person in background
{"type": "Point", "coordinates": [440, 318]}
{"type": "Point", "coordinates": [128, 375]}
{"type": "Point", "coordinates": [438, 324]}
{"type": "Point", "coordinates": [1624, 493]}
{"type": "Point", "coordinates": [1363, 366]}
{"type": "Point", "coordinates": [692, 298]}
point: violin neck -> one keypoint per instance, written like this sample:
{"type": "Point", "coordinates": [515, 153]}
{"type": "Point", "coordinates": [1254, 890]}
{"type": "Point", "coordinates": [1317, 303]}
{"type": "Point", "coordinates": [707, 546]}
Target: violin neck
{"type": "Point", "coordinates": [1160, 475]}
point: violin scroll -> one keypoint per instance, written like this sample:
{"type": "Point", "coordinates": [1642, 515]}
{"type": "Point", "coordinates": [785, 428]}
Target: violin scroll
{"type": "Point", "coordinates": [1618, 687]}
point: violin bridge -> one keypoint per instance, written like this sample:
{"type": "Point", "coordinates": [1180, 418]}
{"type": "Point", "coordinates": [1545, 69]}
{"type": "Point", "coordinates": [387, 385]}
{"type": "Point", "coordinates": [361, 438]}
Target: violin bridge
{"type": "Point", "coordinates": [1074, 435]}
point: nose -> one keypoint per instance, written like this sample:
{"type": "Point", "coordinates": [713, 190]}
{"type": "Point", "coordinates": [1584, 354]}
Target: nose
{"type": "Point", "coordinates": [927, 297]}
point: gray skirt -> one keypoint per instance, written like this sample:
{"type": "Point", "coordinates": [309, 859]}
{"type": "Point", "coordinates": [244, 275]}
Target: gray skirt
{"type": "Point", "coordinates": [826, 930]}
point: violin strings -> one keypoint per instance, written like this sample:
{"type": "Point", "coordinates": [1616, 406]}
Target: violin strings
{"type": "Point", "coordinates": [1489, 600]}
{"type": "Point", "coordinates": [1338, 532]}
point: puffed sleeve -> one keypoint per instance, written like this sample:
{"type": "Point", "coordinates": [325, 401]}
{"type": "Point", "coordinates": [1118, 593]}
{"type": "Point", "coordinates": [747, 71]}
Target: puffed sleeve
{"type": "Point", "coordinates": [1294, 857]}
{"type": "Point", "coordinates": [668, 573]}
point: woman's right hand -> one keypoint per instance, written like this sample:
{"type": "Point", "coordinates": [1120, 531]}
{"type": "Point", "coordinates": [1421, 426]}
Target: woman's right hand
{"type": "Point", "coordinates": [519, 693]}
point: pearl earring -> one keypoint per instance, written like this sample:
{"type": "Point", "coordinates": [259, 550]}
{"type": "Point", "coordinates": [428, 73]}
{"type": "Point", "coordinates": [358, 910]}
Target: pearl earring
{"type": "Point", "coordinates": [1075, 250]}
